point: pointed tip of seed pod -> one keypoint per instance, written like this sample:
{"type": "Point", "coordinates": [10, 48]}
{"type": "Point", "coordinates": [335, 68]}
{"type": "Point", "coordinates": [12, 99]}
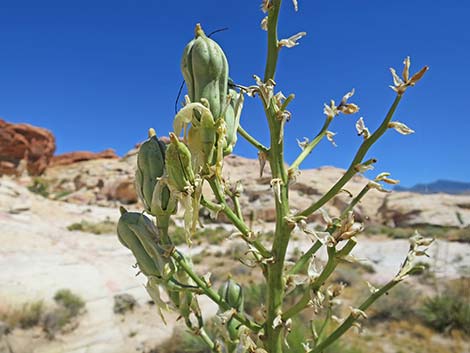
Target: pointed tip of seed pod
{"type": "Point", "coordinates": [198, 31]}
{"type": "Point", "coordinates": [152, 132]}
{"type": "Point", "coordinates": [122, 210]}
{"type": "Point", "coordinates": [173, 138]}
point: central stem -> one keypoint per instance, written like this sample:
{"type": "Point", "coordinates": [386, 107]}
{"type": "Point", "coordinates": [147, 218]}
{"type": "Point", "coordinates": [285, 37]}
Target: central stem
{"type": "Point", "coordinates": [275, 283]}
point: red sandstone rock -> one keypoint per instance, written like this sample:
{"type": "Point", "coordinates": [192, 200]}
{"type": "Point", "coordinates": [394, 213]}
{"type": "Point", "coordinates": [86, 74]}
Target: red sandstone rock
{"type": "Point", "coordinates": [79, 156]}
{"type": "Point", "coordinates": [23, 142]}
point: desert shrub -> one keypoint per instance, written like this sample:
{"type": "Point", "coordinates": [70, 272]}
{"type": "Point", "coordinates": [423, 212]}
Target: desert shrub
{"type": "Point", "coordinates": [448, 310]}
{"type": "Point", "coordinates": [103, 227]}
{"type": "Point", "coordinates": [123, 303]}
{"type": "Point", "coordinates": [51, 318]}
{"type": "Point", "coordinates": [26, 316]}
{"type": "Point", "coordinates": [70, 301]}
{"type": "Point", "coordinates": [39, 186]}
{"type": "Point", "coordinates": [461, 235]}
{"type": "Point", "coordinates": [30, 314]}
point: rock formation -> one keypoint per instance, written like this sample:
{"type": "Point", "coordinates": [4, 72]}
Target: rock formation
{"type": "Point", "coordinates": [79, 156]}
{"type": "Point", "coordinates": [24, 148]}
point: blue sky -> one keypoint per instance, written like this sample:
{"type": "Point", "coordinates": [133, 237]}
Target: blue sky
{"type": "Point", "coordinates": [100, 73]}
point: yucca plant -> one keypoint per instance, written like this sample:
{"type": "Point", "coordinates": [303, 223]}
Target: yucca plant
{"type": "Point", "coordinates": [205, 131]}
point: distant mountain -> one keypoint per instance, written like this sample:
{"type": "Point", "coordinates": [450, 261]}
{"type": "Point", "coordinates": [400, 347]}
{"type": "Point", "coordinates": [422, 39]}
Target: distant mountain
{"type": "Point", "coordinates": [445, 186]}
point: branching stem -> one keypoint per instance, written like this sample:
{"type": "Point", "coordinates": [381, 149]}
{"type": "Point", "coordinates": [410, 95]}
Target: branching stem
{"type": "Point", "coordinates": [346, 325]}
{"type": "Point", "coordinates": [179, 258]}
{"type": "Point", "coordinates": [258, 145]}
{"type": "Point", "coordinates": [310, 146]}
{"type": "Point", "coordinates": [365, 146]}
{"type": "Point", "coordinates": [246, 233]}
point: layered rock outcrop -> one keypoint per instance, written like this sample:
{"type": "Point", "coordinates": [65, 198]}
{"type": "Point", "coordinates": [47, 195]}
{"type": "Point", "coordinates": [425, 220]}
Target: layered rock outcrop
{"type": "Point", "coordinates": [80, 156]}
{"type": "Point", "coordinates": [24, 149]}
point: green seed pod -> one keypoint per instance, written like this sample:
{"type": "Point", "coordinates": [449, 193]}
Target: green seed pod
{"type": "Point", "coordinates": [232, 293]}
{"type": "Point", "coordinates": [205, 71]}
{"type": "Point", "coordinates": [178, 165]}
{"type": "Point", "coordinates": [127, 238]}
{"type": "Point", "coordinates": [138, 233]}
{"type": "Point", "coordinates": [150, 167]}
{"type": "Point", "coordinates": [163, 202]}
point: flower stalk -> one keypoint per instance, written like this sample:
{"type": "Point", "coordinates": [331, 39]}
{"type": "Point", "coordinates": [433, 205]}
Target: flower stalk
{"type": "Point", "coordinates": [175, 174]}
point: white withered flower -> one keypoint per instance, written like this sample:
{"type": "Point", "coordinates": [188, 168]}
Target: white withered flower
{"type": "Point", "coordinates": [296, 5]}
{"type": "Point", "coordinates": [348, 108]}
{"type": "Point", "coordinates": [329, 136]}
{"type": "Point", "coordinates": [264, 24]}
{"type": "Point", "coordinates": [291, 41]}
{"type": "Point", "coordinates": [400, 127]}
{"type": "Point", "coordinates": [400, 84]}
{"type": "Point", "coordinates": [266, 5]}
{"type": "Point", "coordinates": [362, 129]}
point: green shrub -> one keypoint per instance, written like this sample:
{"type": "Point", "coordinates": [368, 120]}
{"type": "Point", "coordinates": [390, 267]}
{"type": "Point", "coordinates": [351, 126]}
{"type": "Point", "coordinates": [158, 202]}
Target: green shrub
{"type": "Point", "coordinates": [447, 311]}
{"type": "Point", "coordinates": [70, 301]}
{"type": "Point", "coordinates": [30, 314]}
{"type": "Point", "coordinates": [104, 227]}
{"type": "Point", "coordinates": [39, 186]}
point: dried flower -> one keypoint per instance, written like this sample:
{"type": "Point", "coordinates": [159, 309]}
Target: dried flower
{"type": "Point", "coordinates": [292, 40]}
{"type": "Point", "coordinates": [329, 136]}
{"type": "Point", "coordinates": [401, 84]}
{"type": "Point", "coordinates": [277, 321]}
{"type": "Point", "coordinates": [375, 185]}
{"type": "Point", "coordinates": [266, 5]}
{"type": "Point", "coordinates": [385, 178]}
{"type": "Point", "coordinates": [348, 108]}
{"type": "Point", "coordinates": [264, 23]}
{"type": "Point", "coordinates": [344, 107]}
{"type": "Point", "coordinates": [276, 185]}
{"type": "Point", "coordinates": [357, 313]}
{"type": "Point", "coordinates": [400, 127]}
{"type": "Point", "coordinates": [296, 5]}
{"type": "Point", "coordinates": [304, 143]}
{"type": "Point", "coordinates": [330, 110]}
{"type": "Point", "coordinates": [362, 129]}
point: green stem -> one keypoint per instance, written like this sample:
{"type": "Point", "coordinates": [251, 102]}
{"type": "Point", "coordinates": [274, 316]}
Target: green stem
{"type": "Point", "coordinates": [283, 230]}
{"type": "Point", "coordinates": [273, 48]}
{"type": "Point", "coordinates": [238, 209]}
{"type": "Point", "coordinates": [310, 146]}
{"type": "Point", "coordinates": [304, 259]}
{"type": "Point", "coordinates": [211, 293]}
{"type": "Point", "coordinates": [163, 222]}
{"type": "Point", "coordinates": [246, 233]}
{"type": "Point", "coordinates": [333, 260]}
{"type": "Point", "coordinates": [329, 313]}
{"type": "Point", "coordinates": [258, 145]}
{"type": "Point", "coordinates": [365, 146]}
{"type": "Point", "coordinates": [207, 340]}
{"type": "Point", "coordinates": [346, 325]}
{"type": "Point", "coordinates": [355, 201]}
